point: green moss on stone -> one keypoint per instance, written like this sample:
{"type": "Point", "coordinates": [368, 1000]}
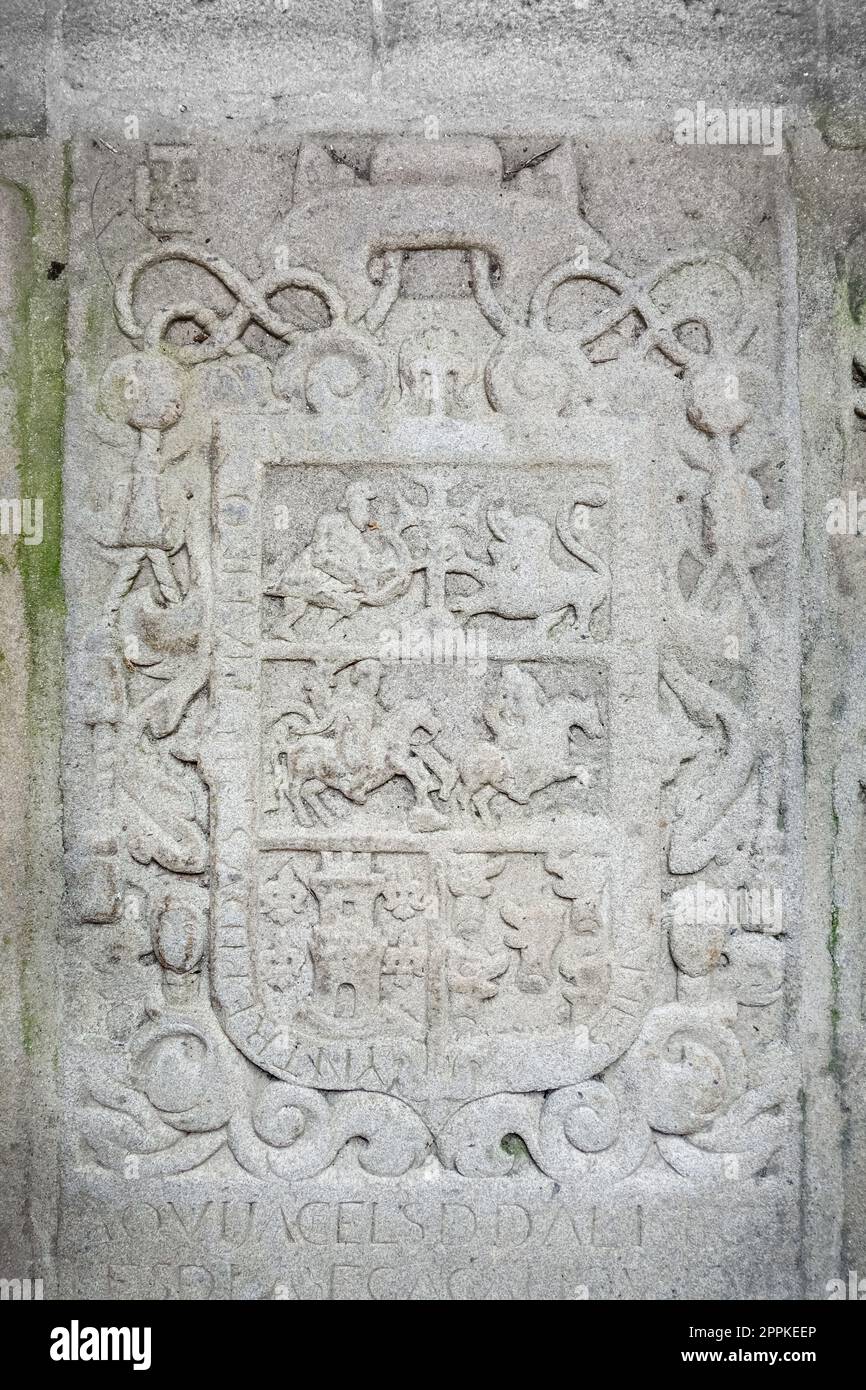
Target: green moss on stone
{"type": "Point", "coordinates": [39, 367]}
{"type": "Point", "coordinates": [514, 1146]}
{"type": "Point", "coordinates": [37, 381]}
{"type": "Point", "coordinates": [29, 1028]}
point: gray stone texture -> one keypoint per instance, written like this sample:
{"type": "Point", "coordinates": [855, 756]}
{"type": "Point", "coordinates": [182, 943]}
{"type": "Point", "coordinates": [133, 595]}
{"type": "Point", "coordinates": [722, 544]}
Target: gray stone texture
{"type": "Point", "coordinates": [432, 752]}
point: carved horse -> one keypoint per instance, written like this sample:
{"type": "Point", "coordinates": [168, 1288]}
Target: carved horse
{"type": "Point", "coordinates": [305, 765]}
{"type": "Point", "coordinates": [534, 755]}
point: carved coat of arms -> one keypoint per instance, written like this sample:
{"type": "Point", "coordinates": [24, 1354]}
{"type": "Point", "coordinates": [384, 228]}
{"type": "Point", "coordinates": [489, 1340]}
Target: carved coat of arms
{"type": "Point", "coordinates": [406, 690]}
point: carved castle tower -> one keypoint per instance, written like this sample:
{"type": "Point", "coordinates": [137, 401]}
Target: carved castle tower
{"type": "Point", "coordinates": [347, 947]}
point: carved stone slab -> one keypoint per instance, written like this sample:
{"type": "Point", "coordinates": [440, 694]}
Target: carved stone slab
{"type": "Point", "coordinates": [427, 816]}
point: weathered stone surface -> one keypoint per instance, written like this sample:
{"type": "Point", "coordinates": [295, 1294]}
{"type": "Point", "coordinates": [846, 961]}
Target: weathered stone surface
{"type": "Point", "coordinates": [461, 740]}
{"type": "Point", "coordinates": [31, 610]}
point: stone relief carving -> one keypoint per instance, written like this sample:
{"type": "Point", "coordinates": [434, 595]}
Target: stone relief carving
{"type": "Point", "coordinates": [345, 734]}
{"type": "Point", "coordinates": [168, 195]}
{"type": "Point", "coordinates": [368, 550]}
{"type": "Point", "coordinates": [395, 905]}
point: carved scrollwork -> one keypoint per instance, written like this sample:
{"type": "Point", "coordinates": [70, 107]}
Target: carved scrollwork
{"type": "Point", "coordinates": [335, 368]}
{"type": "Point", "coordinates": [338, 367]}
{"type": "Point", "coordinates": [295, 1133]}
{"type": "Point", "coordinates": [536, 370]}
{"type": "Point", "coordinates": [223, 334]}
{"type": "Point", "coordinates": [688, 1067]}
{"type": "Point", "coordinates": [344, 367]}
{"type": "Point", "coordinates": [181, 1107]}
{"type": "Point", "coordinates": [740, 1143]}
{"type": "Point", "coordinates": [577, 1132]}
{"type": "Point", "coordinates": [682, 1086]}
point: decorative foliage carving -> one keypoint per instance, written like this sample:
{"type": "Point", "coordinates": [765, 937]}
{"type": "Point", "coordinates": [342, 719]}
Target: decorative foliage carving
{"type": "Point", "coordinates": [162, 812]}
